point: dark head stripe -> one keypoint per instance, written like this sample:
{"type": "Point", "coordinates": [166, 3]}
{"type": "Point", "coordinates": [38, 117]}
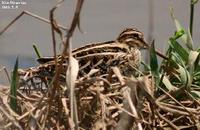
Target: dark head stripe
{"type": "Point", "coordinates": [129, 30]}
{"type": "Point", "coordinates": [132, 37]}
{"type": "Point", "coordinates": [128, 33]}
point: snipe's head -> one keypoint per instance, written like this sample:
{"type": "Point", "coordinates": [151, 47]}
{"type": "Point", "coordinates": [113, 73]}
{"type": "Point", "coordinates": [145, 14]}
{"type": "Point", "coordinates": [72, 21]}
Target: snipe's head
{"type": "Point", "coordinates": [132, 37]}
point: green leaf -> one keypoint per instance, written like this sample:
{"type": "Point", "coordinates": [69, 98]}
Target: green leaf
{"type": "Point", "coordinates": [13, 89]}
{"type": "Point", "coordinates": [186, 77]}
{"type": "Point", "coordinates": [179, 34]}
{"type": "Point", "coordinates": [154, 63]}
{"type": "Point", "coordinates": [181, 67]}
{"type": "Point", "coordinates": [179, 49]}
{"type": "Point", "coordinates": [179, 28]}
{"type": "Point", "coordinates": [36, 51]}
{"type": "Point", "coordinates": [192, 64]}
{"type": "Point", "coordinates": [183, 75]}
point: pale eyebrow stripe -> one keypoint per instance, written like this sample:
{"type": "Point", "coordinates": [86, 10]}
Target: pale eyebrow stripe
{"type": "Point", "coordinates": [130, 32]}
{"type": "Point", "coordinates": [129, 39]}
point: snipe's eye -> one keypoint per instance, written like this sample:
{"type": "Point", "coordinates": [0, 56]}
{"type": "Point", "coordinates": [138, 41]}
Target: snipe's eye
{"type": "Point", "coordinates": [136, 35]}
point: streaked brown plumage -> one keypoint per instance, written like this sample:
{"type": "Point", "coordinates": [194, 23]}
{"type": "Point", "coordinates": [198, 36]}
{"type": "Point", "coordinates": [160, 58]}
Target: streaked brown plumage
{"type": "Point", "coordinates": [123, 52]}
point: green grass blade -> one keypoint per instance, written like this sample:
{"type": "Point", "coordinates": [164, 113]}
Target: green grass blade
{"type": "Point", "coordinates": [185, 75]}
{"type": "Point", "coordinates": [36, 51]}
{"type": "Point", "coordinates": [13, 89]}
{"type": "Point", "coordinates": [154, 63]}
{"type": "Point", "coordinates": [179, 34]}
{"type": "Point", "coordinates": [179, 50]}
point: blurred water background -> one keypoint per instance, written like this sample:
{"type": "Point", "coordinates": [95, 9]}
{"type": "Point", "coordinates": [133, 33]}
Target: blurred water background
{"type": "Point", "coordinates": [101, 20]}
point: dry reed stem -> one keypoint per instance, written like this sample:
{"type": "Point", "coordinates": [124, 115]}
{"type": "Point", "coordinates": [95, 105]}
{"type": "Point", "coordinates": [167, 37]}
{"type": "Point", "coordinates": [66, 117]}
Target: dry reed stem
{"type": "Point", "coordinates": [6, 72]}
{"type": "Point", "coordinates": [29, 14]}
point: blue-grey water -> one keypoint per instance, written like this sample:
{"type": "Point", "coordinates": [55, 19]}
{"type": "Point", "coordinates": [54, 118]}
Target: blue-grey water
{"type": "Point", "coordinates": [101, 20]}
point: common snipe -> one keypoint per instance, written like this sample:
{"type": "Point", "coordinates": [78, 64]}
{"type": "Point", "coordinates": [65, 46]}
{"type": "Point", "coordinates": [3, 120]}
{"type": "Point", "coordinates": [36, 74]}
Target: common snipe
{"type": "Point", "coordinates": [124, 52]}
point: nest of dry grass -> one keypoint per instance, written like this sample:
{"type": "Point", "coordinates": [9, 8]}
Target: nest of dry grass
{"type": "Point", "coordinates": [109, 101]}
